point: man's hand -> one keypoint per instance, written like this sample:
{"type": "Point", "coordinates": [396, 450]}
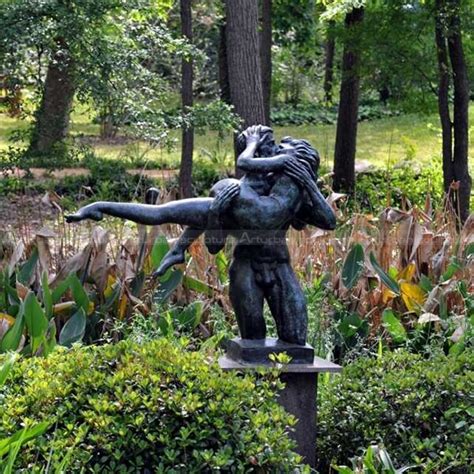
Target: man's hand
{"type": "Point", "coordinates": [299, 171]}
{"type": "Point", "coordinates": [224, 198]}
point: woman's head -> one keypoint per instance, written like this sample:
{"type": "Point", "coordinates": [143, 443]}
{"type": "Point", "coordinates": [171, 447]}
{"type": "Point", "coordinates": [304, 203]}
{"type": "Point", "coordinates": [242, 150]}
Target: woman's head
{"type": "Point", "coordinates": [304, 152]}
{"type": "Point", "coordinates": [266, 147]}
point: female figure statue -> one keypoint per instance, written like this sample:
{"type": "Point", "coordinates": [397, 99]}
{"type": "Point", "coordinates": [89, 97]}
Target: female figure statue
{"type": "Point", "coordinates": [277, 191]}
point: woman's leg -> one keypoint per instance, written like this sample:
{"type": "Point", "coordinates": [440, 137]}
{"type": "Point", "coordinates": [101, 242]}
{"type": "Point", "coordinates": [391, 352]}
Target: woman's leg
{"type": "Point", "coordinates": [191, 212]}
{"type": "Point", "coordinates": [176, 254]}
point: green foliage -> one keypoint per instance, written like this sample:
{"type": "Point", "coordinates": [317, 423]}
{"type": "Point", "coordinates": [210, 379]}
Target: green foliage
{"type": "Point", "coordinates": [127, 407]}
{"type": "Point", "coordinates": [353, 266]}
{"type": "Point", "coordinates": [306, 113]}
{"type": "Point", "coordinates": [205, 175]}
{"type": "Point", "coordinates": [375, 460]}
{"type": "Point", "coordinates": [421, 410]}
{"type": "Point", "coordinates": [395, 186]}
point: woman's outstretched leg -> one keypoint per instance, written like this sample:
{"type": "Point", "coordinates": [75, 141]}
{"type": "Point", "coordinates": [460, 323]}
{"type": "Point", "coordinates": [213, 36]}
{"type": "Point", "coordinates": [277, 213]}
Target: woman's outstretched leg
{"type": "Point", "coordinates": [190, 212]}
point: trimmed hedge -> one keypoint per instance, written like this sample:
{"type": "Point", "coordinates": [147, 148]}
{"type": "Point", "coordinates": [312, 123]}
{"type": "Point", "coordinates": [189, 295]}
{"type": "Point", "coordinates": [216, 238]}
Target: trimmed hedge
{"type": "Point", "coordinates": [421, 410]}
{"type": "Point", "coordinates": [150, 408]}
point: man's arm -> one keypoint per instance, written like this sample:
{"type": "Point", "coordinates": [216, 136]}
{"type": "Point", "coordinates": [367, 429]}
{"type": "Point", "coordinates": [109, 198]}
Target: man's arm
{"type": "Point", "coordinates": [319, 213]}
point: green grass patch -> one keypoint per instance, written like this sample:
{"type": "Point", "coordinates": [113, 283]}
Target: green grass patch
{"type": "Point", "coordinates": [382, 142]}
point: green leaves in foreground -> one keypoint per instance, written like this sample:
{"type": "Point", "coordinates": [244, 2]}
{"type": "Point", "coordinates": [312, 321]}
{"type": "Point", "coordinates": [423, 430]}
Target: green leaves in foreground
{"type": "Point", "coordinates": [35, 320]}
{"type": "Point", "coordinates": [387, 280]}
{"type": "Point", "coordinates": [394, 326]}
{"type": "Point", "coordinates": [353, 266]}
{"type": "Point", "coordinates": [74, 330]}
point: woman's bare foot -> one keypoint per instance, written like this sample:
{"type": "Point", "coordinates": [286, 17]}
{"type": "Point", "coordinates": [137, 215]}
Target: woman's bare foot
{"type": "Point", "coordinates": [173, 257]}
{"type": "Point", "coordinates": [88, 212]}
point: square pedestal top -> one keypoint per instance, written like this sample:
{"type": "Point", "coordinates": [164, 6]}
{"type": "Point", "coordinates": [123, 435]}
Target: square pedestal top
{"type": "Point", "coordinates": [254, 353]}
{"type": "Point", "coordinates": [317, 366]}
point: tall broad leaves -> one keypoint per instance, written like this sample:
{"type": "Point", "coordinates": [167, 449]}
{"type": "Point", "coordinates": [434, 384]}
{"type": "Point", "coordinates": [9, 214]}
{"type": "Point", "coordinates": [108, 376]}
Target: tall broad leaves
{"type": "Point", "coordinates": [35, 320]}
{"type": "Point", "coordinates": [353, 266]}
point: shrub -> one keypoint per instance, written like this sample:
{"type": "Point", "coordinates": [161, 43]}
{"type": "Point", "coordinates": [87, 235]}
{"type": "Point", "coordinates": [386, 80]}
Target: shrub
{"type": "Point", "coordinates": [155, 407]}
{"type": "Point", "coordinates": [307, 113]}
{"type": "Point", "coordinates": [420, 409]}
{"type": "Point", "coordinates": [379, 188]}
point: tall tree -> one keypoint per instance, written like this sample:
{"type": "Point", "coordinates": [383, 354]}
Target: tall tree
{"type": "Point", "coordinates": [443, 94]}
{"type": "Point", "coordinates": [52, 118]}
{"type": "Point", "coordinates": [448, 35]}
{"type": "Point", "coordinates": [329, 50]}
{"type": "Point", "coordinates": [223, 68]}
{"type": "Point", "coordinates": [186, 166]}
{"type": "Point", "coordinates": [243, 61]}
{"type": "Point", "coordinates": [266, 56]}
{"type": "Point", "coordinates": [346, 134]}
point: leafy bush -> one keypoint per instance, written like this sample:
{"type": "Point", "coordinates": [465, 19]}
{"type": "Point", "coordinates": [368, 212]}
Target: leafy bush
{"type": "Point", "coordinates": [422, 411]}
{"type": "Point", "coordinates": [126, 407]}
{"type": "Point", "coordinates": [313, 113]}
{"type": "Point", "coordinates": [205, 175]}
{"type": "Point", "coordinates": [379, 188]}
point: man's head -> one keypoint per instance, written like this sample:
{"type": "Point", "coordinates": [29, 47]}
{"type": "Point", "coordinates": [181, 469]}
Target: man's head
{"type": "Point", "coordinates": [304, 152]}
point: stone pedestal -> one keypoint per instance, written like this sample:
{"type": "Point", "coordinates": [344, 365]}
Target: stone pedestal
{"type": "Point", "coordinates": [298, 397]}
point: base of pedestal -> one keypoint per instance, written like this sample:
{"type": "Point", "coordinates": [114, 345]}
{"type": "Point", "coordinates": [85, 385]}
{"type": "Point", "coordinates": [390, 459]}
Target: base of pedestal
{"type": "Point", "coordinates": [298, 397]}
{"type": "Point", "coordinates": [257, 351]}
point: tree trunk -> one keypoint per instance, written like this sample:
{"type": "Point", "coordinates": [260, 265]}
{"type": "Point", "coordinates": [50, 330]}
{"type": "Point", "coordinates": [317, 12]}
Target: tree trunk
{"type": "Point", "coordinates": [461, 109]}
{"type": "Point", "coordinates": [443, 96]}
{"type": "Point", "coordinates": [222, 65]}
{"type": "Point", "coordinates": [329, 50]}
{"type": "Point", "coordinates": [346, 134]}
{"type": "Point", "coordinates": [186, 166]}
{"type": "Point", "coordinates": [243, 59]}
{"type": "Point", "coordinates": [52, 117]}
{"type": "Point", "coordinates": [266, 56]}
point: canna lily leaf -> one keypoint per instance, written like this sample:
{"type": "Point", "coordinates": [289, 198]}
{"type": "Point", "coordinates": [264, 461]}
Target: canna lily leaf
{"type": "Point", "coordinates": [12, 338]}
{"type": "Point", "coordinates": [36, 321]}
{"type": "Point", "coordinates": [394, 326]}
{"type": "Point", "coordinates": [413, 296]}
{"type": "Point", "coordinates": [73, 331]}
{"type": "Point", "coordinates": [407, 273]}
{"type": "Point", "coordinates": [387, 280]}
{"type": "Point", "coordinates": [353, 266]}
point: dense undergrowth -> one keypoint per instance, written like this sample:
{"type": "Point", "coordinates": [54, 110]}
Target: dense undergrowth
{"type": "Point", "coordinates": [420, 409]}
{"type": "Point", "coordinates": [153, 407]}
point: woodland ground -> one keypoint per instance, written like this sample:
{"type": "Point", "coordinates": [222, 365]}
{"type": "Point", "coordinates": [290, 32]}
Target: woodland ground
{"type": "Point", "coordinates": [380, 142]}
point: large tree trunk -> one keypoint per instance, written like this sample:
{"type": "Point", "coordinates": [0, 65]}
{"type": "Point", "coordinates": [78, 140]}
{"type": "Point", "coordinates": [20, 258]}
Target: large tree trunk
{"type": "Point", "coordinates": [243, 60]}
{"type": "Point", "coordinates": [329, 50]}
{"type": "Point", "coordinates": [266, 56]}
{"type": "Point", "coordinates": [461, 109]}
{"type": "Point", "coordinates": [52, 118]}
{"type": "Point", "coordinates": [222, 65]}
{"type": "Point", "coordinates": [443, 96]}
{"type": "Point", "coordinates": [186, 166]}
{"type": "Point", "coordinates": [346, 134]}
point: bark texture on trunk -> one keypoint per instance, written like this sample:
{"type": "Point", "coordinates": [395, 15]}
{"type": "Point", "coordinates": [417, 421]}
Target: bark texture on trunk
{"type": "Point", "coordinates": [329, 50]}
{"type": "Point", "coordinates": [461, 109]}
{"type": "Point", "coordinates": [243, 60]}
{"type": "Point", "coordinates": [222, 66]}
{"type": "Point", "coordinates": [186, 166]}
{"type": "Point", "coordinates": [52, 117]}
{"type": "Point", "coordinates": [266, 56]}
{"type": "Point", "coordinates": [443, 97]}
{"type": "Point", "coordinates": [346, 134]}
